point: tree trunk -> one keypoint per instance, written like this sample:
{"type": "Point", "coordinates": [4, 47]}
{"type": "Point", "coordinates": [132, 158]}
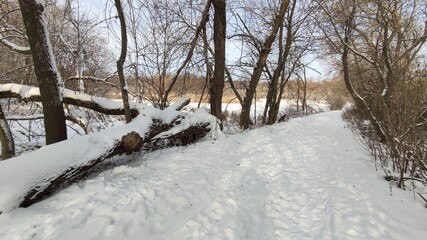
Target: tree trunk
{"type": "Point", "coordinates": [362, 103]}
{"type": "Point", "coordinates": [256, 75]}
{"type": "Point", "coordinates": [121, 61]}
{"type": "Point", "coordinates": [208, 65]}
{"type": "Point", "coordinates": [304, 96]}
{"type": "Point", "coordinates": [48, 78]}
{"type": "Point", "coordinates": [6, 138]}
{"type": "Point", "coordinates": [217, 83]}
{"type": "Point", "coordinates": [298, 93]}
{"type": "Point", "coordinates": [152, 129]}
{"type": "Point", "coordinates": [272, 90]}
{"type": "Point", "coordinates": [279, 72]}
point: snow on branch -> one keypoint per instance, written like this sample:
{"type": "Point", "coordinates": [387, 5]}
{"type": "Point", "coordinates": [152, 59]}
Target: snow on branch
{"type": "Point", "coordinates": [23, 118]}
{"type": "Point", "coordinates": [99, 104]}
{"type": "Point", "coordinates": [12, 46]}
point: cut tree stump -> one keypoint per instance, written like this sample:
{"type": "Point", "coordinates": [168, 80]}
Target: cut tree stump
{"type": "Point", "coordinates": [131, 142]}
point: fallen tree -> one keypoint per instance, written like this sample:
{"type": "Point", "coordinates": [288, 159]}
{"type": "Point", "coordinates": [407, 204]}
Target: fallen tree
{"type": "Point", "coordinates": [99, 104]}
{"type": "Point", "coordinates": [42, 172]}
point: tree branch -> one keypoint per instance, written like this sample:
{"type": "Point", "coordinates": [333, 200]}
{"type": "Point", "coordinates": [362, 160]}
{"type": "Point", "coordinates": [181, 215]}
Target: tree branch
{"type": "Point", "coordinates": [99, 104]}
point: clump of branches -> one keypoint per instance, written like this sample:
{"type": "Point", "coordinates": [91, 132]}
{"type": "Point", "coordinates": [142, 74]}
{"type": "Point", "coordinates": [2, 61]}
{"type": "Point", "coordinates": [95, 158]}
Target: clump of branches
{"type": "Point", "coordinates": [380, 44]}
{"type": "Point", "coordinates": [405, 151]}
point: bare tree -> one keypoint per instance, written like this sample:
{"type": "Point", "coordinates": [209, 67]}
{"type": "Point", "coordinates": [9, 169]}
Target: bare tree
{"type": "Point", "coordinates": [16, 62]}
{"type": "Point", "coordinates": [78, 44]}
{"type": "Point", "coordinates": [257, 71]}
{"type": "Point", "coordinates": [134, 24]}
{"type": "Point", "coordinates": [217, 84]}
{"type": "Point", "coordinates": [295, 40]}
{"type": "Point", "coordinates": [165, 46]}
{"type": "Point", "coordinates": [49, 80]}
{"type": "Point", "coordinates": [204, 19]}
{"type": "Point", "coordinates": [121, 61]}
{"type": "Point", "coordinates": [379, 42]}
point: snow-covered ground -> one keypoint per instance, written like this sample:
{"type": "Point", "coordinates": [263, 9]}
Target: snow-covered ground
{"type": "Point", "coordinates": [259, 105]}
{"type": "Point", "coordinates": [304, 179]}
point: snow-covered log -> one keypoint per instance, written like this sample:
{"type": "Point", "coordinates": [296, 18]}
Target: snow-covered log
{"type": "Point", "coordinates": [99, 104]}
{"type": "Point", "coordinates": [32, 177]}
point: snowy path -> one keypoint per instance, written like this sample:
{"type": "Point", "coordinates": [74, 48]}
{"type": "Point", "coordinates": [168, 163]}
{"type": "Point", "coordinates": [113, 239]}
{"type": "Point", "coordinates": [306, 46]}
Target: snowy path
{"type": "Point", "coordinates": [305, 179]}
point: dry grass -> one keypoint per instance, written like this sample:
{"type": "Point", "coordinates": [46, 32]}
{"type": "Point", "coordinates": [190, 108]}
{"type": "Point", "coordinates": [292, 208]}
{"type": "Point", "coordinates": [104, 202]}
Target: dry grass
{"type": "Point", "coordinates": [332, 91]}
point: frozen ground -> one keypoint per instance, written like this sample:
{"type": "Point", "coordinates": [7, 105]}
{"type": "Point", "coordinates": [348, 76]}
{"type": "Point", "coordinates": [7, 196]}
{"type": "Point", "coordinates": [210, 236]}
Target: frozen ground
{"type": "Point", "coordinates": [304, 179]}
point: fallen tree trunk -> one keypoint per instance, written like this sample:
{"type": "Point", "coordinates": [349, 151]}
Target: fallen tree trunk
{"type": "Point", "coordinates": [99, 104]}
{"type": "Point", "coordinates": [42, 172]}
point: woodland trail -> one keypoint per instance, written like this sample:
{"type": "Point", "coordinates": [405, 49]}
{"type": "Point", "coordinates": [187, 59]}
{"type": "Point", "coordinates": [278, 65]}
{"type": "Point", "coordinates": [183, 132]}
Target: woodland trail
{"type": "Point", "coordinates": [305, 179]}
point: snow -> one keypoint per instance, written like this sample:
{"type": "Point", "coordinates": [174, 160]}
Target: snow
{"type": "Point", "coordinates": [384, 93]}
{"type": "Point", "coordinates": [70, 154]}
{"type": "Point", "coordinates": [41, 2]}
{"type": "Point", "coordinates": [26, 92]}
{"type": "Point", "coordinates": [198, 117]}
{"type": "Point", "coordinates": [56, 158]}
{"type": "Point", "coordinates": [304, 179]}
{"type": "Point", "coordinates": [21, 118]}
{"type": "Point", "coordinates": [67, 93]}
{"type": "Point", "coordinates": [22, 90]}
{"type": "Point", "coordinates": [259, 105]}
{"type": "Point", "coordinates": [180, 102]}
{"type": "Point", "coordinates": [13, 45]}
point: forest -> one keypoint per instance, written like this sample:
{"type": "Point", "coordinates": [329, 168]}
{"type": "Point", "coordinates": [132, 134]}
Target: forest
{"type": "Point", "coordinates": [99, 80]}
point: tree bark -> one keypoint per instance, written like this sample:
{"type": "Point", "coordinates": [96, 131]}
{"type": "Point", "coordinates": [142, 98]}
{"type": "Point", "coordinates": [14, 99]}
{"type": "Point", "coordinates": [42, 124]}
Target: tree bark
{"type": "Point", "coordinates": [48, 78]}
{"type": "Point", "coordinates": [217, 83]}
{"type": "Point", "coordinates": [121, 61]}
{"type": "Point", "coordinates": [6, 138]}
{"type": "Point", "coordinates": [256, 75]}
